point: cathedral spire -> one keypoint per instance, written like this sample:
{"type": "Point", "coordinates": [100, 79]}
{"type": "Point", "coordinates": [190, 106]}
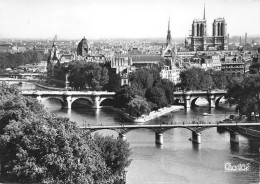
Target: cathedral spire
{"type": "Point", "coordinates": [204, 14]}
{"type": "Point", "coordinates": [169, 37]}
{"type": "Point", "coordinates": [186, 42]}
{"type": "Point", "coordinates": [169, 24]}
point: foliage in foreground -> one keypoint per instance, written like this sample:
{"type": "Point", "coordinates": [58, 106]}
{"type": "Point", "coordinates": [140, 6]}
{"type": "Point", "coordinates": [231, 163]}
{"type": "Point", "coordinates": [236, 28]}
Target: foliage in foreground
{"type": "Point", "coordinates": [38, 147]}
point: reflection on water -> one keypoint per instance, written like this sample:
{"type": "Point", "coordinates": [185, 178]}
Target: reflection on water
{"type": "Point", "coordinates": [178, 160]}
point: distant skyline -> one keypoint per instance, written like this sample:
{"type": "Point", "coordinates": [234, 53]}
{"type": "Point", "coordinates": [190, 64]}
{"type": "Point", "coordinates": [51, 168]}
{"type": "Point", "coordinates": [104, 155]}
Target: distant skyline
{"type": "Point", "coordinates": [96, 19]}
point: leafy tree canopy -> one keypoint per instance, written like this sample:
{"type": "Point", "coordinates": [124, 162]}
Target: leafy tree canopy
{"type": "Point", "coordinates": [148, 84]}
{"type": "Point", "coordinates": [245, 95]}
{"type": "Point", "coordinates": [138, 106]}
{"type": "Point", "coordinates": [89, 75]}
{"type": "Point", "coordinates": [38, 147]}
{"type": "Point", "coordinates": [199, 79]}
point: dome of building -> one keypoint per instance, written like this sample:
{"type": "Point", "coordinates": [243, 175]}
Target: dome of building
{"type": "Point", "coordinates": [83, 47]}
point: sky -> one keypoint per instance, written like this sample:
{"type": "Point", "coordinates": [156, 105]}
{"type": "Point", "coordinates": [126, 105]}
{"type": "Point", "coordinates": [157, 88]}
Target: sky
{"type": "Point", "coordinates": [94, 19]}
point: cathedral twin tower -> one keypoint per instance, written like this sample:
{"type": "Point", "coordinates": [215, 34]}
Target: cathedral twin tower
{"type": "Point", "coordinates": [200, 41]}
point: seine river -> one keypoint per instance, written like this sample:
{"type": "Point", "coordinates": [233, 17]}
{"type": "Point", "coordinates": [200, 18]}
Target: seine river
{"type": "Point", "coordinates": [178, 160]}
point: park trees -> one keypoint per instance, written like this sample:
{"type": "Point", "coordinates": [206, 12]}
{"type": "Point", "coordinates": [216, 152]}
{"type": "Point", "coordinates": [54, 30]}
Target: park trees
{"type": "Point", "coordinates": [138, 106]}
{"type": "Point", "coordinates": [200, 79]}
{"type": "Point", "coordinates": [146, 80]}
{"type": "Point", "coordinates": [145, 85]}
{"type": "Point", "coordinates": [246, 95]}
{"type": "Point", "coordinates": [38, 147]}
{"type": "Point", "coordinates": [89, 75]}
{"type": "Point", "coordinates": [190, 79]}
{"type": "Point", "coordinates": [156, 96]}
{"type": "Point", "coordinates": [123, 96]}
{"type": "Point", "coordinates": [9, 60]}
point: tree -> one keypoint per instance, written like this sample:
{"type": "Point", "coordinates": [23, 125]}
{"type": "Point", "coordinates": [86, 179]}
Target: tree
{"type": "Point", "coordinates": [205, 80]}
{"type": "Point", "coordinates": [38, 147]}
{"type": "Point", "coordinates": [246, 95]}
{"type": "Point", "coordinates": [123, 96]}
{"type": "Point", "coordinates": [50, 149]}
{"type": "Point", "coordinates": [137, 107]}
{"type": "Point", "coordinates": [157, 96]}
{"type": "Point", "coordinates": [88, 75]}
{"type": "Point", "coordinates": [37, 57]}
{"type": "Point", "coordinates": [14, 106]}
{"type": "Point", "coordinates": [115, 152]}
{"type": "Point", "coordinates": [148, 84]}
{"type": "Point", "coordinates": [190, 79]}
{"type": "Point", "coordinates": [168, 87]}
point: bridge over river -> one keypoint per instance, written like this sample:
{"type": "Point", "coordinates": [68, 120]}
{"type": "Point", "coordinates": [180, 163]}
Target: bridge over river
{"type": "Point", "coordinates": [189, 97]}
{"type": "Point", "coordinates": [96, 97]}
{"type": "Point", "coordinates": [68, 97]}
{"type": "Point", "coordinates": [195, 127]}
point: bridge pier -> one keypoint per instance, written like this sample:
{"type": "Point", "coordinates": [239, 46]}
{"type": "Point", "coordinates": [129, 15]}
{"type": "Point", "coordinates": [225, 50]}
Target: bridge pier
{"type": "Point", "coordinates": [67, 102]}
{"type": "Point", "coordinates": [39, 98]}
{"type": "Point", "coordinates": [196, 137]}
{"type": "Point", "coordinates": [158, 138]}
{"type": "Point", "coordinates": [96, 101]}
{"type": "Point", "coordinates": [187, 101]}
{"type": "Point", "coordinates": [220, 129]}
{"type": "Point", "coordinates": [234, 137]}
{"type": "Point", "coordinates": [211, 101]}
{"type": "Point", "coordinates": [122, 136]}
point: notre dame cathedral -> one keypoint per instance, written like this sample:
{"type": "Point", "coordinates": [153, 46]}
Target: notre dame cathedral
{"type": "Point", "coordinates": [199, 39]}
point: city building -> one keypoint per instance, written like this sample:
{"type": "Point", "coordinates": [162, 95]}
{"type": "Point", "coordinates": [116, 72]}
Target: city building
{"type": "Point", "coordinates": [233, 66]}
{"type": "Point", "coordinates": [171, 73]}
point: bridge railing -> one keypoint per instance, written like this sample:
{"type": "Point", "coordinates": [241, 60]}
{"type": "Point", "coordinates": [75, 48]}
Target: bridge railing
{"type": "Point", "coordinates": [27, 92]}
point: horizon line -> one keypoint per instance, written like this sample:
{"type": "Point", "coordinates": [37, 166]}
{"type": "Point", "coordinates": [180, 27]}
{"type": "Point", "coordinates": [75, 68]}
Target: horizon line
{"type": "Point", "coordinates": [115, 38]}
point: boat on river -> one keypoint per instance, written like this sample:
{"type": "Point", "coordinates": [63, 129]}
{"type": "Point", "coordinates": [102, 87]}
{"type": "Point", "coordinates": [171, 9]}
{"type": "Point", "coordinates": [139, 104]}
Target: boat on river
{"type": "Point", "coordinates": [206, 114]}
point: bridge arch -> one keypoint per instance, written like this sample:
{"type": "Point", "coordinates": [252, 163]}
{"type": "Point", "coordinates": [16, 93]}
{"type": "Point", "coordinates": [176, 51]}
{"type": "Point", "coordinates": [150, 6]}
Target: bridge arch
{"type": "Point", "coordinates": [178, 100]}
{"type": "Point", "coordinates": [218, 100]}
{"type": "Point", "coordinates": [106, 101]}
{"type": "Point", "coordinates": [60, 99]}
{"type": "Point", "coordinates": [194, 99]}
{"type": "Point", "coordinates": [88, 99]}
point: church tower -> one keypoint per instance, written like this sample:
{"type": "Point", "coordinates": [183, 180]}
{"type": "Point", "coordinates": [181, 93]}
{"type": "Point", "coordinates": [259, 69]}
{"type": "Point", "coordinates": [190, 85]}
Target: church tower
{"type": "Point", "coordinates": [169, 37]}
{"type": "Point", "coordinates": [199, 33]}
{"type": "Point", "coordinates": [53, 59]}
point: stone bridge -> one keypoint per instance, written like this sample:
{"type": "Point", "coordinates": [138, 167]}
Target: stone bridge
{"type": "Point", "coordinates": [189, 97]}
{"type": "Point", "coordinates": [195, 127]}
{"type": "Point", "coordinates": [68, 97]}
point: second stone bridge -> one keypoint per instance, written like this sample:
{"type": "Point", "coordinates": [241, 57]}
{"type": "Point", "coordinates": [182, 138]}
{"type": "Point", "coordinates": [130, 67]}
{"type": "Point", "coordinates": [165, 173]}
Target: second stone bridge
{"type": "Point", "coordinates": [195, 127]}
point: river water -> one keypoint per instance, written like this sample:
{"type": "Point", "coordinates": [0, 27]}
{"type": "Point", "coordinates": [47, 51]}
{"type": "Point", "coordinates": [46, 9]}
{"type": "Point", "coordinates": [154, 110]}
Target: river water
{"type": "Point", "coordinates": [178, 160]}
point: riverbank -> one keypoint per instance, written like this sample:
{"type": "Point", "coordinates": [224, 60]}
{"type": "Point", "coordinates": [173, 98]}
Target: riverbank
{"type": "Point", "coordinates": [152, 115]}
{"type": "Point", "coordinates": [250, 132]}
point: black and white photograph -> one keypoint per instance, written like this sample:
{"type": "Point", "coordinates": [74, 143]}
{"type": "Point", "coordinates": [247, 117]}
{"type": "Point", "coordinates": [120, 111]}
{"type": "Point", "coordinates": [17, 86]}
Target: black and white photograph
{"type": "Point", "coordinates": [129, 91]}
